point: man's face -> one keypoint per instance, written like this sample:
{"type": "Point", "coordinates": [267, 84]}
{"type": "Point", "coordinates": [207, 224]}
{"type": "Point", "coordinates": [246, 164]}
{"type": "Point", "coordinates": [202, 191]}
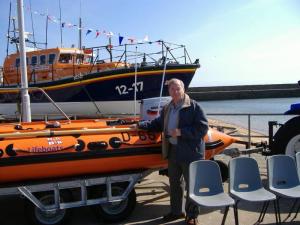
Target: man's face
{"type": "Point", "coordinates": [176, 92]}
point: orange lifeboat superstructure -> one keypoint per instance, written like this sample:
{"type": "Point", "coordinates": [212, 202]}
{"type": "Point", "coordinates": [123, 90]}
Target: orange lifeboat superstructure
{"type": "Point", "coordinates": [53, 64]}
{"type": "Point", "coordinates": [40, 150]}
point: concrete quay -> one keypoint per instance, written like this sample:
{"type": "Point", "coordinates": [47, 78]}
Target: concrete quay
{"type": "Point", "coordinates": [153, 203]}
{"type": "Point", "coordinates": [244, 92]}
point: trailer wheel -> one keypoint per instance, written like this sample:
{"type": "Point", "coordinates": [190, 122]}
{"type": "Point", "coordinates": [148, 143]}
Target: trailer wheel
{"type": "Point", "coordinates": [39, 217]}
{"type": "Point", "coordinates": [287, 138]}
{"type": "Point", "coordinates": [116, 211]}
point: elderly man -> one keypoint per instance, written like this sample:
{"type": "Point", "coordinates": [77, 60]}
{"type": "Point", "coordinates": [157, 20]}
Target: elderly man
{"type": "Point", "coordinates": [184, 125]}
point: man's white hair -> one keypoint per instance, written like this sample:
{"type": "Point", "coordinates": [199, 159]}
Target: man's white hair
{"type": "Point", "coordinates": [175, 81]}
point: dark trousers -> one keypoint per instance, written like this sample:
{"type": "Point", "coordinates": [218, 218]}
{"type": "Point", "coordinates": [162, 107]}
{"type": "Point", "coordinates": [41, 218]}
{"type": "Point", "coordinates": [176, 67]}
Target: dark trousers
{"type": "Point", "coordinates": [176, 170]}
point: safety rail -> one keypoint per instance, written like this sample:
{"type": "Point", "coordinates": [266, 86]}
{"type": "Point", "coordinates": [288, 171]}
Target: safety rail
{"type": "Point", "coordinates": [46, 95]}
{"type": "Point", "coordinates": [248, 126]}
{"type": "Point", "coordinates": [128, 53]}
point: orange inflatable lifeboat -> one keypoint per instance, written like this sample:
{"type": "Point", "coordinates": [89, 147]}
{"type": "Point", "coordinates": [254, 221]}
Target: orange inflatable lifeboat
{"type": "Point", "coordinates": [40, 150]}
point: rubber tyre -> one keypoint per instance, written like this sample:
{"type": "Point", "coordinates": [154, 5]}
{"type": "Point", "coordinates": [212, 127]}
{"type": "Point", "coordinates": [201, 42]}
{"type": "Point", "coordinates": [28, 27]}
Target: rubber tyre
{"type": "Point", "coordinates": [116, 212]}
{"type": "Point", "coordinates": [37, 217]}
{"type": "Point", "coordinates": [224, 170]}
{"type": "Point", "coordinates": [287, 138]}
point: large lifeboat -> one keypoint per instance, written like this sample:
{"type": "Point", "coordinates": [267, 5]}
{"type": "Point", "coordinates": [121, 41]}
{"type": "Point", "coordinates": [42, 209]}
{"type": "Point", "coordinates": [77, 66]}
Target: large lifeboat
{"type": "Point", "coordinates": [43, 150]}
{"type": "Point", "coordinates": [86, 82]}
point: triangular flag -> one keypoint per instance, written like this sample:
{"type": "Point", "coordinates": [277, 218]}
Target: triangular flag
{"type": "Point", "coordinates": [88, 31]}
{"type": "Point", "coordinates": [120, 39]}
{"type": "Point", "coordinates": [97, 33]}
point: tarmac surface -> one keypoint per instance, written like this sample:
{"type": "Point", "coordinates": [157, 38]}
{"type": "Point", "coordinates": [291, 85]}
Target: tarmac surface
{"type": "Point", "coordinates": [153, 203]}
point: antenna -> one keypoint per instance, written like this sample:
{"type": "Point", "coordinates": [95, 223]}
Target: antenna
{"type": "Point", "coordinates": [7, 46]}
{"type": "Point", "coordinates": [80, 28]}
{"type": "Point", "coordinates": [61, 40]}
{"type": "Point", "coordinates": [32, 27]}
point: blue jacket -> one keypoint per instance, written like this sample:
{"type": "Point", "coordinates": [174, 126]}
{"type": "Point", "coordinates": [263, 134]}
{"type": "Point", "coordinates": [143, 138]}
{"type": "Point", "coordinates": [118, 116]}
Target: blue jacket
{"type": "Point", "coordinates": [193, 125]}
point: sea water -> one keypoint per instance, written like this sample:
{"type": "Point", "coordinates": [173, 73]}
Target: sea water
{"type": "Point", "coordinates": [250, 106]}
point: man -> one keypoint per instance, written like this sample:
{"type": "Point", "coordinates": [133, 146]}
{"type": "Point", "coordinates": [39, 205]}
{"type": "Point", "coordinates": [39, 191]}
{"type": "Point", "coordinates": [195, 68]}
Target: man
{"type": "Point", "coordinates": [184, 125]}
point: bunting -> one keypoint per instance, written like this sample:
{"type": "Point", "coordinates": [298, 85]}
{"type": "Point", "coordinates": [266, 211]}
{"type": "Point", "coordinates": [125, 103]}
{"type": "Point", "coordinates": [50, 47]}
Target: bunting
{"type": "Point", "coordinates": [88, 31]}
{"type": "Point", "coordinates": [120, 39]}
{"type": "Point", "coordinates": [97, 32]}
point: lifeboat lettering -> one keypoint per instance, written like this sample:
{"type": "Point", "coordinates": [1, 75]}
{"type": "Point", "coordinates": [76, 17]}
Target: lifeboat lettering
{"type": "Point", "coordinates": [45, 149]}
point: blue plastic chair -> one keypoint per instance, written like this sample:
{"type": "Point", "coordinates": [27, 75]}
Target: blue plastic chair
{"type": "Point", "coordinates": [245, 184]}
{"type": "Point", "coordinates": [205, 186]}
{"type": "Point", "coordinates": [283, 178]}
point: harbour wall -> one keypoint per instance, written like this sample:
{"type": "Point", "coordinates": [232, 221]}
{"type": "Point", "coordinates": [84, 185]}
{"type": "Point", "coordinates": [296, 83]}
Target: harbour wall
{"type": "Point", "coordinates": [244, 92]}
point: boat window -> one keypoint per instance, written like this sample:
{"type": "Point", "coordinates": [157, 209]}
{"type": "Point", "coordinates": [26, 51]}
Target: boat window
{"type": "Point", "coordinates": [65, 58]}
{"type": "Point", "coordinates": [79, 58]}
{"type": "Point", "coordinates": [42, 60]}
{"type": "Point", "coordinates": [33, 60]}
{"type": "Point", "coordinates": [51, 58]}
{"type": "Point", "coordinates": [17, 62]}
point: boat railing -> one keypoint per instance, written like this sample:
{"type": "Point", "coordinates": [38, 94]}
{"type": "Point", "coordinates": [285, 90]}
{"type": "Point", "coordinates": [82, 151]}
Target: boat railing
{"type": "Point", "coordinates": [147, 53]}
{"type": "Point", "coordinates": [32, 89]}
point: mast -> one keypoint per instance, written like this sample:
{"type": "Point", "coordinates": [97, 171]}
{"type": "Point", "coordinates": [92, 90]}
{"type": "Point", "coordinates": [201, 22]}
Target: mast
{"type": "Point", "coordinates": [80, 34]}
{"type": "Point", "coordinates": [46, 42]}
{"type": "Point", "coordinates": [15, 37]}
{"type": "Point", "coordinates": [26, 112]}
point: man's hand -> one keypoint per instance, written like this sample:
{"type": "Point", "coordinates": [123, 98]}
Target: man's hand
{"type": "Point", "coordinates": [175, 132]}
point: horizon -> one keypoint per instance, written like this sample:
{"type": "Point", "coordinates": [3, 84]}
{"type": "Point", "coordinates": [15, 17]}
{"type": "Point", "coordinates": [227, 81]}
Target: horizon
{"type": "Point", "coordinates": [238, 43]}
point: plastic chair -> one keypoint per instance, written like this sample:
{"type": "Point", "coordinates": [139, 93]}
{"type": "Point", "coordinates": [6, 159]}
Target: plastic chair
{"type": "Point", "coordinates": [283, 178]}
{"type": "Point", "coordinates": [298, 163]}
{"type": "Point", "coordinates": [205, 186]}
{"type": "Point", "coordinates": [245, 184]}
{"type": "Point", "coordinates": [298, 166]}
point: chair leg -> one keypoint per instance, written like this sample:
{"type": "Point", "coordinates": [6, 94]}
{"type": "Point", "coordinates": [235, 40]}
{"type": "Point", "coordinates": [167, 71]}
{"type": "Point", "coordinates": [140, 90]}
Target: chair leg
{"type": "Point", "coordinates": [296, 214]}
{"type": "Point", "coordinates": [291, 210]}
{"type": "Point", "coordinates": [277, 211]}
{"type": "Point", "coordinates": [263, 212]}
{"type": "Point", "coordinates": [235, 211]}
{"type": "Point", "coordinates": [225, 215]}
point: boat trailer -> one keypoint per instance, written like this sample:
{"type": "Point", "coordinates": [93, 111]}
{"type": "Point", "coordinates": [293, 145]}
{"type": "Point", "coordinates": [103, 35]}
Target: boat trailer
{"type": "Point", "coordinates": [112, 197]}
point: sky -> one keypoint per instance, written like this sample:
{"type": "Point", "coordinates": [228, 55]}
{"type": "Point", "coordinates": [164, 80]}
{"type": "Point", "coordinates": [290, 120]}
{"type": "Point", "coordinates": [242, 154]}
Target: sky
{"type": "Point", "coordinates": [238, 42]}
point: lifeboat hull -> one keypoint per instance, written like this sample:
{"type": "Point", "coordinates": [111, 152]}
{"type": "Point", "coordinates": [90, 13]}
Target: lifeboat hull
{"type": "Point", "coordinates": [37, 151]}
